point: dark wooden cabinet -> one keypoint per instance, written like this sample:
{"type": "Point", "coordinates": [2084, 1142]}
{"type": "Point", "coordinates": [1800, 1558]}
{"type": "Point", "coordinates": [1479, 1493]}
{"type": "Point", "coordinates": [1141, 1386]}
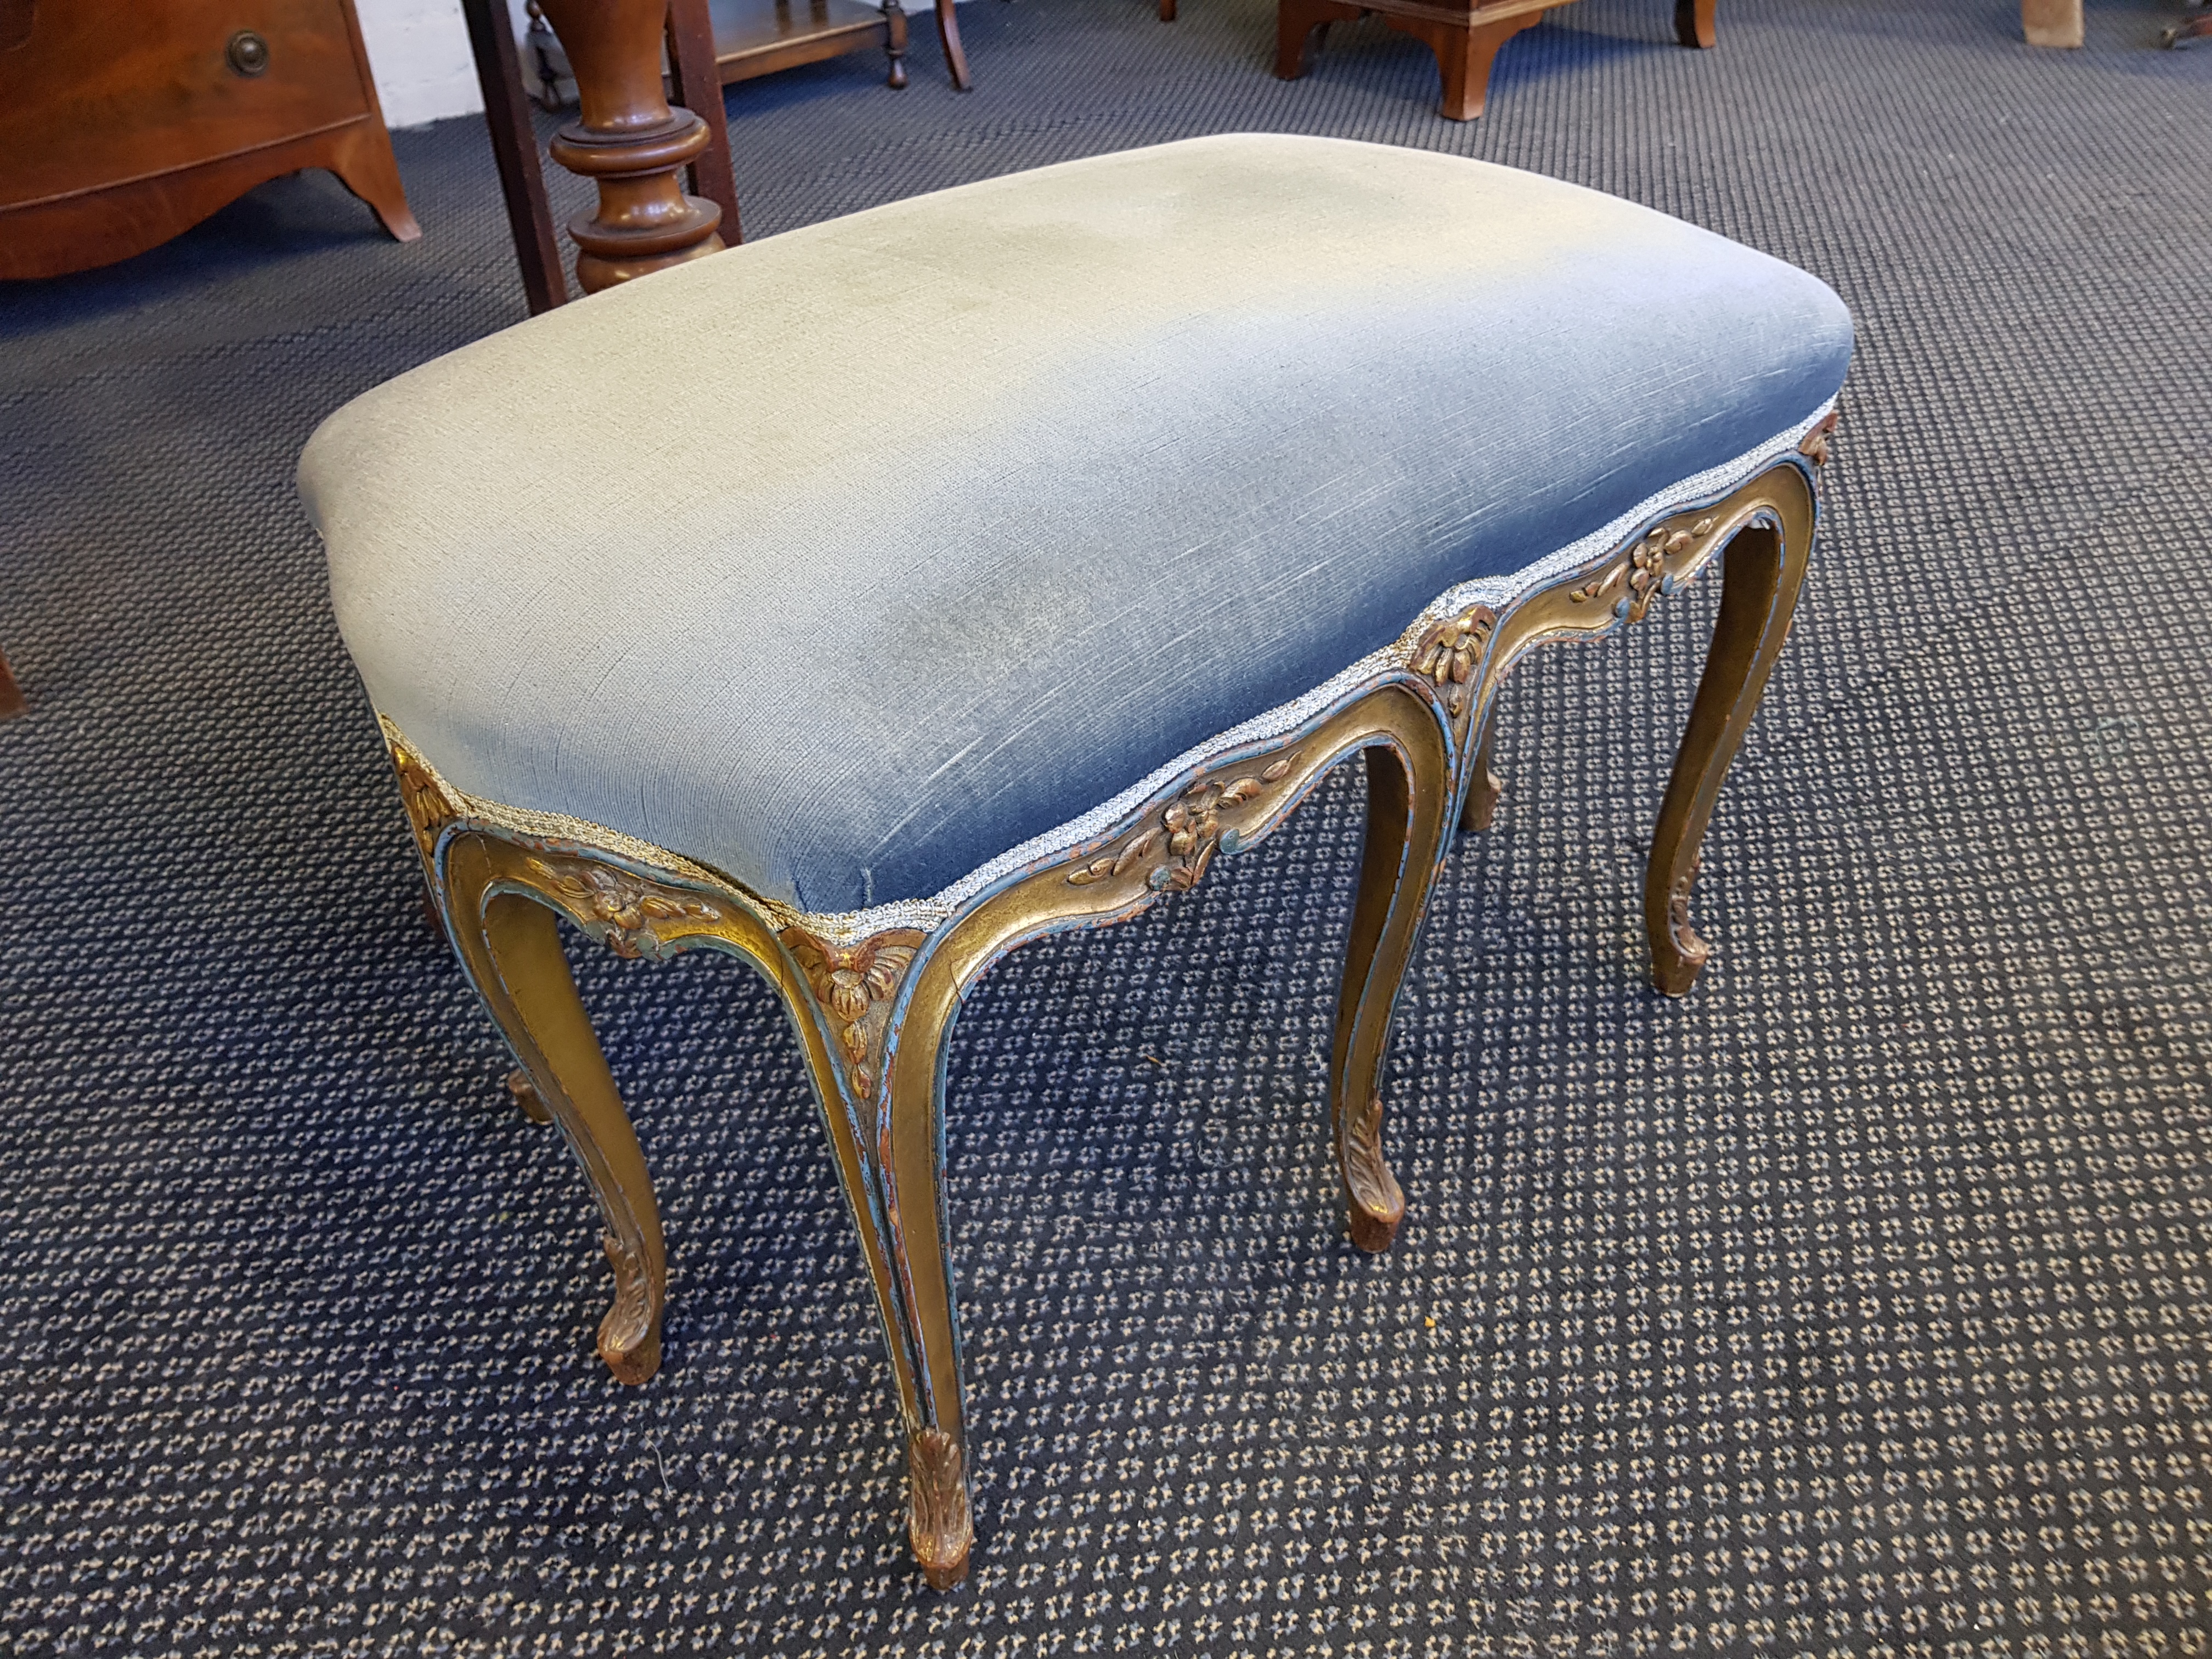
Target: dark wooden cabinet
{"type": "Point", "coordinates": [122, 124]}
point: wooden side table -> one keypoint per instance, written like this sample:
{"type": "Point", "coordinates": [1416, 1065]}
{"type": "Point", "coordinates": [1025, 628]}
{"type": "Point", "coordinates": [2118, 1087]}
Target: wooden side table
{"type": "Point", "coordinates": [123, 125]}
{"type": "Point", "coordinates": [1465, 35]}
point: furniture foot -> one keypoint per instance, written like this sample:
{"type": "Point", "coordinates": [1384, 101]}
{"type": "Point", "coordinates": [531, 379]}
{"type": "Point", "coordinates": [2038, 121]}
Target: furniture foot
{"type": "Point", "coordinates": [2051, 22]}
{"type": "Point", "coordinates": [1464, 57]}
{"type": "Point", "coordinates": [948, 35]}
{"type": "Point", "coordinates": [362, 158]}
{"type": "Point", "coordinates": [526, 1098]}
{"type": "Point", "coordinates": [1408, 803]}
{"type": "Point", "coordinates": [11, 694]}
{"type": "Point", "coordinates": [1763, 570]}
{"type": "Point", "coordinates": [1485, 788]}
{"type": "Point", "coordinates": [2196, 28]}
{"type": "Point", "coordinates": [511, 945]}
{"type": "Point", "coordinates": [895, 43]}
{"type": "Point", "coordinates": [1694, 23]}
{"type": "Point", "coordinates": [940, 1528]}
{"type": "Point", "coordinates": [1300, 27]}
{"type": "Point", "coordinates": [1167, 11]}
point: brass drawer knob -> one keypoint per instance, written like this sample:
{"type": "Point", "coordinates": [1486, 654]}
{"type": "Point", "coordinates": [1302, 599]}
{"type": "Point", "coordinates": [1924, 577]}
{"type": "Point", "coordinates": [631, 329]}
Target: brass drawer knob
{"type": "Point", "coordinates": [247, 52]}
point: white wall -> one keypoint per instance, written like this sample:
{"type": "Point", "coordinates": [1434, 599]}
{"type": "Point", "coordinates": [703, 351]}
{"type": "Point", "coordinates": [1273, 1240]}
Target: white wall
{"type": "Point", "coordinates": [419, 50]}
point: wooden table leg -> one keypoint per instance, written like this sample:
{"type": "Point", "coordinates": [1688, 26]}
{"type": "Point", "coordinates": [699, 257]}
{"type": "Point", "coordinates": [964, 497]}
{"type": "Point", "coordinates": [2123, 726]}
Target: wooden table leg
{"type": "Point", "coordinates": [1300, 27]}
{"type": "Point", "coordinates": [515, 148]}
{"type": "Point", "coordinates": [2051, 22]}
{"type": "Point", "coordinates": [699, 88]}
{"type": "Point", "coordinates": [1464, 57]}
{"type": "Point", "coordinates": [1694, 23]}
{"type": "Point", "coordinates": [11, 694]}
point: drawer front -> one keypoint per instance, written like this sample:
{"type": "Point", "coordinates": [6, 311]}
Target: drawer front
{"type": "Point", "coordinates": [95, 92]}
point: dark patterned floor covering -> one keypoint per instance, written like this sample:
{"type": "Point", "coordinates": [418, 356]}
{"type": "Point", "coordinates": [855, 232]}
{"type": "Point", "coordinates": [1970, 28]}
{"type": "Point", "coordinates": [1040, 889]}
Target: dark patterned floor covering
{"type": "Point", "coordinates": [1857, 1305]}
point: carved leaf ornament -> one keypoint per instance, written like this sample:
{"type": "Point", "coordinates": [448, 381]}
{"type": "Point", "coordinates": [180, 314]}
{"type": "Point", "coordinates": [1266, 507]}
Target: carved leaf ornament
{"type": "Point", "coordinates": [1449, 653]}
{"type": "Point", "coordinates": [1181, 845]}
{"type": "Point", "coordinates": [852, 983]}
{"type": "Point", "coordinates": [621, 904]}
{"type": "Point", "coordinates": [1643, 575]}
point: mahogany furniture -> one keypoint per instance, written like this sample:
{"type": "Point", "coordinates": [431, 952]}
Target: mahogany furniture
{"type": "Point", "coordinates": [11, 694]}
{"type": "Point", "coordinates": [753, 37]}
{"type": "Point", "coordinates": [1464, 34]}
{"type": "Point", "coordinates": [626, 136]}
{"type": "Point", "coordinates": [2051, 22]}
{"type": "Point", "coordinates": [122, 125]}
{"type": "Point", "coordinates": [1242, 457]}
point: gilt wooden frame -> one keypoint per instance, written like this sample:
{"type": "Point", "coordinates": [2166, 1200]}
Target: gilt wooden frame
{"type": "Point", "coordinates": [873, 997]}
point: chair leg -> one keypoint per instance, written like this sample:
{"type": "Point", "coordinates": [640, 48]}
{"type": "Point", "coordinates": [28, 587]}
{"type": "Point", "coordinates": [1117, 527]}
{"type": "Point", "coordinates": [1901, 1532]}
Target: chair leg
{"type": "Point", "coordinates": [1694, 23]}
{"type": "Point", "coordinates": [1484, 788]}
{"type": "Point", "coordinates": [1408, 807]}
{"type": "Point", "coordinates": [948, 36]}
{"type": "Point", "coordinates": [1764, 570]}
{"type": "Point", "coordinates": [1300, 27]}
{"type": "Point", "coordinates": [511, 947]}
{"type": "Point", "coordinates": [917, 1303]}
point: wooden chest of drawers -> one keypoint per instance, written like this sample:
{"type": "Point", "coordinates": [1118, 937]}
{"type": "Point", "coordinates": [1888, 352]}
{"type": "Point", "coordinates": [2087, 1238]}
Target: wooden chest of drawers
{"type": "Point", "coordinates": [122, 124]}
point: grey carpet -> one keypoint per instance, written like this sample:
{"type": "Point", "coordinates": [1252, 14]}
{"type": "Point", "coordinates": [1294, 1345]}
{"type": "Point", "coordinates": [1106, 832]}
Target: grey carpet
{"type": "Point", "coordinates": [1855, 1305]}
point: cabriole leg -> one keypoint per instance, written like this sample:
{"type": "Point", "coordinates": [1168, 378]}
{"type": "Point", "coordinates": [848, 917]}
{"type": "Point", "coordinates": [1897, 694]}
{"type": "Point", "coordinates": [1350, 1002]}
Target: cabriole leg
{"type": "Point", "coordinates": [1408, 798]}
{"type": "Point", "coordinates": [1484, 786]}
{"type": "Point", "coordinates": [511, 947]}
{"type": "Point", "coordinates": [940, 1525]}
{"type": "Point", "coordinates": [1764, 569]}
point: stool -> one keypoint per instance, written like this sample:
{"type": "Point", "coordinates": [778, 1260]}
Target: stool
{"type": "Point", "coordinates": [867, 600]}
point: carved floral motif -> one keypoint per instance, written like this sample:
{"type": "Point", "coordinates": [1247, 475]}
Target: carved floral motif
{"type": "Point", "coordinates": [854, 986]}
{"type": "Point", "coordinates": [1642, 576]}
{"type": "Point", "coordinates": [617, 905]}
{"type": "Point", "coordinates": [1450, 652]}
{"type": "Point", "coordinates": [1814, 448]}
{"type": "Point", "coordinates": [1181, 845]}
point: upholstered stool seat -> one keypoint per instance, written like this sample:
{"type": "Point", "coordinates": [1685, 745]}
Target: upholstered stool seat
{"type": "Point", "coordinates": [867, 599]}
{"type": "Point", "coordinates": [849, 562]}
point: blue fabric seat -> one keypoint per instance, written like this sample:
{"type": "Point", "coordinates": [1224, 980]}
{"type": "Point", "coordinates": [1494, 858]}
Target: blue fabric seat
{"type": "Point", "coordinates": [848, 560]}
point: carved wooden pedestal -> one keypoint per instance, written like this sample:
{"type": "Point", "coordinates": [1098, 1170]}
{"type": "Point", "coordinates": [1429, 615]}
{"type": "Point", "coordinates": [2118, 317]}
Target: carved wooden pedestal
{"type": "Point", "coordinates": [1465, 35]}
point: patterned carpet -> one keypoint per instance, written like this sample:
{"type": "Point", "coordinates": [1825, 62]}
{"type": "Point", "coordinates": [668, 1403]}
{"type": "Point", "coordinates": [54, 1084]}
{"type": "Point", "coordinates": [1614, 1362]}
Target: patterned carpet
{"type": "Point", "coordinates": [1857, 1305]}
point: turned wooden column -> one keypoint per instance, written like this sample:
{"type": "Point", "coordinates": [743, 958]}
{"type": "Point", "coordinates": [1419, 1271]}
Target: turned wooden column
{"type": "Point", "coordinates": [630, 143]}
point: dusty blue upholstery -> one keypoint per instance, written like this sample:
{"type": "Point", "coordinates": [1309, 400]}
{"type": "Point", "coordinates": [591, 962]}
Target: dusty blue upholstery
{"type": "Point", "coordinates": [923, 530]}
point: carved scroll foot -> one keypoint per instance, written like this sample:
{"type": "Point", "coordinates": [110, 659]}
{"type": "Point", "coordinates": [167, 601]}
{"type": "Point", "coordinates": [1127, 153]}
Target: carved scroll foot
{"type": "Point", "coordinates": [1374, 1206]}
{"type": "Point", "coordinates": [527, 1101]}
{"type": "Point", "coordinates": [1676, 964]}
{"type": "Point", "coordinates": [629, 1336]}
{"type": "Point", "coordinates": [939, 1524]}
